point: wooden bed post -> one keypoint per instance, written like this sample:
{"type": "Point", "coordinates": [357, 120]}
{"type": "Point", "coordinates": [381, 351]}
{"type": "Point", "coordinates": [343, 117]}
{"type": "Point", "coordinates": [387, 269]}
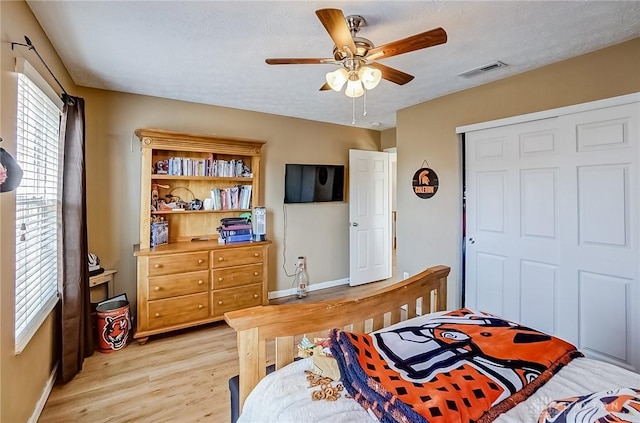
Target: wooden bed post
{"type": "Point", "coordinates": [251, 352]}
{"type": "Point", "coordinates": [442, 295]}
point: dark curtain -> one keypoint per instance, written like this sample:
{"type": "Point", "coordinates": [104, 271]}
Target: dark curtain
{"type": "Point", "coordinates": [76, 335]}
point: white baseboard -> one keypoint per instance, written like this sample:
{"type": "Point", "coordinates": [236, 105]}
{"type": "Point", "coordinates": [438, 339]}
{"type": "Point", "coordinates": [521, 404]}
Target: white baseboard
{"type": "Point", "coordinates": [45, 395]}
{"type": "Point", "coordinates": [312, 287]}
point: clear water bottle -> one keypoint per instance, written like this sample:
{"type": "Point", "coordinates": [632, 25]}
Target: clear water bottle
{"type": "Point", "coordinates": [301, 279]}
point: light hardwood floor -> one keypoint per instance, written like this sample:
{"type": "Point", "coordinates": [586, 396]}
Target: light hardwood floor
{"type": "Point", "coordinates": [179, 377]}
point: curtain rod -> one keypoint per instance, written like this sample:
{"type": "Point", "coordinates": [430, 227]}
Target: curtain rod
{"type": "Point", "coordinates": [32, 47]}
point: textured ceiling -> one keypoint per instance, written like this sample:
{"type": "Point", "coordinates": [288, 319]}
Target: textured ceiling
{"type": "Point", "coordinates": [213, 52]}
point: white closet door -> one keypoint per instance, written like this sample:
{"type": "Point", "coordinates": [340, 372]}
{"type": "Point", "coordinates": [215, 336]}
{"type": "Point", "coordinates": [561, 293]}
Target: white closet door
{"type": "Point", "coordinates": [600, 251]}
{"type": "Point", "coordinates": [513, 245]}
{"type": "Point", "coordinates": [552, 228]}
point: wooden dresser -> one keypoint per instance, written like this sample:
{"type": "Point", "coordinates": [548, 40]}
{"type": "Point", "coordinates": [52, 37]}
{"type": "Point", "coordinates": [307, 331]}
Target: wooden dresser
{"type": "Point", "coordinates": [182, 286]}
{"type": "Point", "coordinates": [192, 279]}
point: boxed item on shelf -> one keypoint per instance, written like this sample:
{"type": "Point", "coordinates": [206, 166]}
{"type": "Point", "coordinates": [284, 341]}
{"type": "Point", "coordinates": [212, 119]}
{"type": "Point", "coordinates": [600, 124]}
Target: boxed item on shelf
{"type": "Point", "coordinates": [159, 233]}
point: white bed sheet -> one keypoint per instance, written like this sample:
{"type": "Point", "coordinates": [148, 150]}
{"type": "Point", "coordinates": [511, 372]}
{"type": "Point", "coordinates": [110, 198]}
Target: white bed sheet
{"type": "Point", "coordinates": [284, 396]}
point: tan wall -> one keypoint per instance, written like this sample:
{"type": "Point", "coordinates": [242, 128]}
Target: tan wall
{"type": "Point", "coordinates": [317, 231]}
{"type": "Point", "coordinates": [429, 231]}
{"type": "Point", "coordinates": [22, 377]}
{"type": "Point", "coordinates": [388, 138]}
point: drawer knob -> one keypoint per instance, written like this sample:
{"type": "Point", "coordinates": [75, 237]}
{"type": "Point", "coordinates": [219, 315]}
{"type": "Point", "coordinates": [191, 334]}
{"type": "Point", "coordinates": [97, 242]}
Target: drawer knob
{"type": "Point", "coordinates": [256, 254]}
{"type": "Point", "coordinates": [157, 288]}
{"type": "Point", "coordinates": [157, 314]}
{"type": "Point", "coordinates": [255, 295]}
{"type": "Point", "coordinates": [220, 279]}
{"type": "Point", "coordinates": [220, 302]}
{"type": "Point", "coordinates": [157, 266]}
{"type": "Point", "coordinates": [200, 282]}
{"type": "Point", "coordinates": [256, 273]}
{"type": "Point", "coordinates": [220, 258]}
{"type": "Point", "coordinates": [200, 306]}
{"type": "Point", "coordinates": [200, 261]}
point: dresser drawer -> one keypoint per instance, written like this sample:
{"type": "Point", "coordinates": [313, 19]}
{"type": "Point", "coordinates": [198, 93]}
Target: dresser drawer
{"type": "Point", "coordinates": [228, 277]}
{"type": "Point", "coordinates": [237, 256]}
{"type": "Point", "coordinates": [224, 300]}
{"type": "Point", "coordinates": [180, 284]}
{"type": "Point", "coordinates": [174, 311]}
{"type": "Point", "coordinates": [178, 263]}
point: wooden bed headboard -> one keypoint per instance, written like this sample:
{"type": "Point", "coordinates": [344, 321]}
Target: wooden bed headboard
{"type": "Point", "coordinates": [286, 324]}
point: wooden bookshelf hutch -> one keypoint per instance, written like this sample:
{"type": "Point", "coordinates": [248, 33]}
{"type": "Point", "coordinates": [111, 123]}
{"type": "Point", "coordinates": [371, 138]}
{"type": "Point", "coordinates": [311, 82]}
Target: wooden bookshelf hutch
{"type": "Point", "coordinates": [192, 280]}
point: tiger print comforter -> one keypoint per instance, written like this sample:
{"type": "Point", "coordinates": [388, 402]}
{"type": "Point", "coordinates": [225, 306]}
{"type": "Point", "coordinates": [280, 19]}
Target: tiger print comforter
{"type": "Point", "coordinates": [462, 366]}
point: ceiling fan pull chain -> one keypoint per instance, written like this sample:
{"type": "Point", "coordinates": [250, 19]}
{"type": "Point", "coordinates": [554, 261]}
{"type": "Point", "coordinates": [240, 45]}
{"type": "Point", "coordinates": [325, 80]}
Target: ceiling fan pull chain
{"type": "Point", "coordinates": [353, 111]}
{"type": "Point", "coordinates": [364, 103]}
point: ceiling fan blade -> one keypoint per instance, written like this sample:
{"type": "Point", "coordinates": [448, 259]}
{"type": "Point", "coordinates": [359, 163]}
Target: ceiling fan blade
{"type": "Point", "coordinates": [415, 42]}
{"type": "Point", "coordinates": [325, 87]}
{"type": "Point", "coordinates": [391, 74]}
{"type": "Point", "coordinates": [336, 25]}
{"type": "Point", "coordinates": [293, 61]}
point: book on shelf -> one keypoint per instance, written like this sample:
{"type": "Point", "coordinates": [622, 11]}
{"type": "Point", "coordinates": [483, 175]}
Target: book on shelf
{"type": "Point", "coordinates": [234, 197]}
{"type": "Point", "coordinates": [230, 232]}
{"type": "Point", "coordinates": [215, 195]}
{"type": "Point", "coordinates": [245, 196]}
{"type": "Point", "coordinates": [186, 166]}
{"type": "Point", "coordinates": [237, 238]}
{"type": "Point", "coordinates": [225, 199]}
{"type": "Point", "coordinates": [236, 226]}
{"type": "Point", "coordinates": [235, 221]}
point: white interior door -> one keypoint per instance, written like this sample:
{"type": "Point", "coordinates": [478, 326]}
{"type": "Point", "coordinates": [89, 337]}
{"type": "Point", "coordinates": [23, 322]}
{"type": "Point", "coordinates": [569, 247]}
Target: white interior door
{"type": "Point", "coordinates": [553, 228]}
{"type": "Point", "coordinates": [369, 217]}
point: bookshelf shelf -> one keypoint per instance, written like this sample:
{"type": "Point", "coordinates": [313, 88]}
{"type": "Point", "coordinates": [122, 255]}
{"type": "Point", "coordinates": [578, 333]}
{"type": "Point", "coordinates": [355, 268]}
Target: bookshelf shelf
{"type": "Point", "coordinates": [175, 213]}
{"type": "Point", "coordinates": [243, 180]}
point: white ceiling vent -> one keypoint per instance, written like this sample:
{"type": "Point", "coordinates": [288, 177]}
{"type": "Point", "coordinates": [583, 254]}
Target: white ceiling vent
{"type": "Point", "coordinates": [482, 69]}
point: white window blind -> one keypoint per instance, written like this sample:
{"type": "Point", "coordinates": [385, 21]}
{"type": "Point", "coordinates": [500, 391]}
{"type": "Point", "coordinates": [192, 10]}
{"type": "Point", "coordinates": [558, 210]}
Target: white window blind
{"type": "Point", "coordinates": [37, 208]}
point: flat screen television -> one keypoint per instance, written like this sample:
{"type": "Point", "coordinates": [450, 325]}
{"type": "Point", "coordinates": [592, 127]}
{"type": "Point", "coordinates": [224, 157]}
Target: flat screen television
{"type": "Point", "coordinates": [307, 183]}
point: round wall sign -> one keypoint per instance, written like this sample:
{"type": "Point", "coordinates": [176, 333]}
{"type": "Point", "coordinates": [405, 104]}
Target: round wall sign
{"type": "Point", "coordinates": [425, 183]}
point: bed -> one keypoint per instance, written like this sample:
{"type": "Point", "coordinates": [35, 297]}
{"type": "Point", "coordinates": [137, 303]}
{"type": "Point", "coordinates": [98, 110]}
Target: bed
{"type": "Point", "coordinates": [271, 334]}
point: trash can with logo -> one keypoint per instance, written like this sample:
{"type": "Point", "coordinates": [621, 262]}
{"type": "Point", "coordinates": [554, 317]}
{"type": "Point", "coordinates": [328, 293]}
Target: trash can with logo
{"type": "Point", "coordinates": [114, 325]}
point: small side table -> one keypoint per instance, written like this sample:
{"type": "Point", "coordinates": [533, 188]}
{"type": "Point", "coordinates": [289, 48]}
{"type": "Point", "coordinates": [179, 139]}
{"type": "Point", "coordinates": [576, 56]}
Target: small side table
{"type": "Point", "coordinates": [95, 288]}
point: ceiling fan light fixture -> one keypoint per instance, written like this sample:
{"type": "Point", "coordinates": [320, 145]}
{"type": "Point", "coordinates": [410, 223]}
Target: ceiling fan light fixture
{"type": "Point", "coordinates": [337, 79]}
{"type": "Point", "coordinates": [370, 77]}
{"type": "Point", "coordinates": [354, 88]}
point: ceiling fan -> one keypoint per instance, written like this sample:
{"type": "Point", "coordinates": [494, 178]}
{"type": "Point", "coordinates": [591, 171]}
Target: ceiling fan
{"type": "Point", "coordinates": [357, 55]}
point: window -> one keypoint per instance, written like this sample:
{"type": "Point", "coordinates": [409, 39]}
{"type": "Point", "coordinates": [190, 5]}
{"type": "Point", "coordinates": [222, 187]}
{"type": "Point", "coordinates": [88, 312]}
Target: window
{"type": "Point", "coordinates": [37, 204]}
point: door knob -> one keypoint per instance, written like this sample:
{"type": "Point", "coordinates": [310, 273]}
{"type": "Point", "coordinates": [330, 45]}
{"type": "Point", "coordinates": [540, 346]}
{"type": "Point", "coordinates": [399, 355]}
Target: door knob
{"type": "Point", "coordinates": [472, 241]}
{"type": "Point", "coordinates": [354, 224]}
